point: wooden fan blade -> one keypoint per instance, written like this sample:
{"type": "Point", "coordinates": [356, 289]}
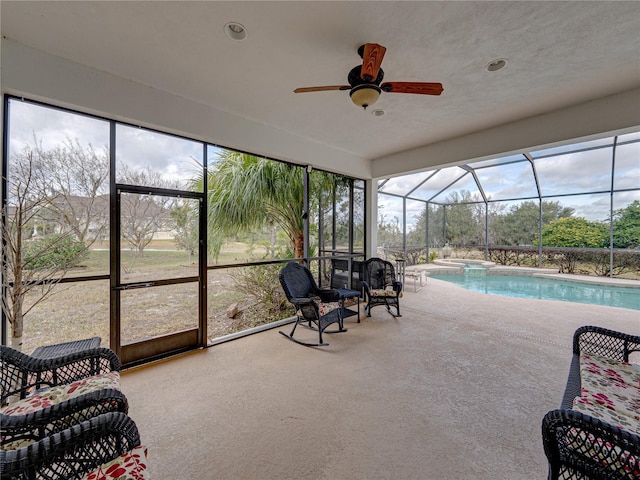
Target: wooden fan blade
{"type": "Point", "coordinates": [419, 88]}
{"type": "Point", "coordinates": [371, 61]}
{"type": "Point", "coordinates": [322, 89]}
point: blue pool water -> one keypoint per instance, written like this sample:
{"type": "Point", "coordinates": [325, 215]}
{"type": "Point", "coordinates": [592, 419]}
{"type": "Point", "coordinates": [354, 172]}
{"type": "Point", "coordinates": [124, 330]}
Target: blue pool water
{"type": "Point", "coordinates": [547, 289]}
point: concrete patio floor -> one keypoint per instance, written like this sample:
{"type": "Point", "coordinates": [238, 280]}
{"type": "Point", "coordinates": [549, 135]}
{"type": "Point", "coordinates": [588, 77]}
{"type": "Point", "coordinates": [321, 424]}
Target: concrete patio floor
{"type": "Point", "coordinates": [455, 388]}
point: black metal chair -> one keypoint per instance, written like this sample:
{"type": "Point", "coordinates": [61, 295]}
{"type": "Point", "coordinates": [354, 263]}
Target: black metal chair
{"type": "Point", "coordinates": [380, 286]}
{"type": "Point", "coordinates": [80, 450]}
{"type": "Point", "coordinates": [315, 308]}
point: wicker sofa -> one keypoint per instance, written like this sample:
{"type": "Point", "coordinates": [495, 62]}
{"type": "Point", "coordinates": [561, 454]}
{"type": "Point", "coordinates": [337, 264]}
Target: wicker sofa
{"type": "Point", "coordinates": [595, 435]}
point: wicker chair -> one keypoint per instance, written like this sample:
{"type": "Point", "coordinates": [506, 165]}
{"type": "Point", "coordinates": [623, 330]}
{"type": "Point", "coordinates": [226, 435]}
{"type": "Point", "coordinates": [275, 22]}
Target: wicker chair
{"type": "Point", "coordinates": [55, 394]}
{"type": "Point", "coordinates": [380, 286]}
{"type": "Point", "coordinates": [75, 452]}
{"type": "Point", "coordinates": [581, 446]}
{"type": "Point", "coordinates": [314, 307]}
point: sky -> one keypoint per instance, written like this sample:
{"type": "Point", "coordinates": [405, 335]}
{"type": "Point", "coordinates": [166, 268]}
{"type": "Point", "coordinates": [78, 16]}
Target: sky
{"type": "Point", "coordinates": [576, 173]}
{"type": "Point", "coordinates": [179, 160]}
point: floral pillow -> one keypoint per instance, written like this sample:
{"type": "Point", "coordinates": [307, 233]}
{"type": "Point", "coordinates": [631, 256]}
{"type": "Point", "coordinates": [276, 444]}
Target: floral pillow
{"type": "Point", "coordinates": [61, 393]}
{"type": "Point", "coordinates": [129, 466]}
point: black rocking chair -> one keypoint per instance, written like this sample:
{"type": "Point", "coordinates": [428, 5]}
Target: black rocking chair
{"type": "Point", "coordinates": [380, 286]}
{"type": "Point", "coordinates": [315, 308]}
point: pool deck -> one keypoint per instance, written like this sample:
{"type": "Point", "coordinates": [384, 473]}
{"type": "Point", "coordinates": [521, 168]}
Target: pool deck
{"type": "Point", "coordinates": [454, 266]}
{"type": "Point", "coordinates": [456, 388]}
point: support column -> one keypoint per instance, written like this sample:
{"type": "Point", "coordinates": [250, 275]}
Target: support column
{"type": "Point", "coordinates": [371, 209]}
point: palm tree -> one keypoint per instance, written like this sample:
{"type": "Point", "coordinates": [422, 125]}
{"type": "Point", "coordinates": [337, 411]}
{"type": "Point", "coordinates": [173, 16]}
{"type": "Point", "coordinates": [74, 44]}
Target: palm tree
{"type": "Point", "coordinates": [245, 192]}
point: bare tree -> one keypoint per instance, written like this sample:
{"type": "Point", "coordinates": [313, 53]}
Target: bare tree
{"type": "Point", "coordinates": [77, 179]}
{"type": "Point", "coordinates": [27, 265]}
{"type": "Point", "coordinates": [142, 216]}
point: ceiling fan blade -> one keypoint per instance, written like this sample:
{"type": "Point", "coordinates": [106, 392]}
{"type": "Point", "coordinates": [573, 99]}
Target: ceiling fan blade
{"type": "Point", "coordinates": [419, 88]}
{"type": "Point", "coordinates": [322, 89]}
{"type": "Point", "coordinates": [371, 61]}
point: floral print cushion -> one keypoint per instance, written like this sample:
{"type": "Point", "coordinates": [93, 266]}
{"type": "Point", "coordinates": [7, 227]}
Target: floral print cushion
{"type": "Point", "coordinates": [324, 308]}
{"type": "Point", "coordinates": [610, 385]}
{"type": "Point", "coordinates": [609, 392]}
{"type": "Point", "coordinates": [383, 293]}
{"type": "Point", "coordinates": [624, 400]}
{"type": "Point", "coordinates": [61, 393]}
{"type": "Point", "coordinates": [593, 408]}
{"type": "Point", "coordinates": [130, 466]}
{"type": "Point", "coordinates": [618, 372]}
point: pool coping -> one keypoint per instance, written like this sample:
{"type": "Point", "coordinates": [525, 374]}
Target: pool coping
{"type": "Point", "coordinates": [455, 266]}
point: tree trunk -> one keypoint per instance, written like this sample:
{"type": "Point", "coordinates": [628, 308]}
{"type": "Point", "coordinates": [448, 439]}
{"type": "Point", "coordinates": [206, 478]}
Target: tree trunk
{"type": "Point", "coordinates": [16, 329]}
{"type": "Point", "coordinates": [299, 245]}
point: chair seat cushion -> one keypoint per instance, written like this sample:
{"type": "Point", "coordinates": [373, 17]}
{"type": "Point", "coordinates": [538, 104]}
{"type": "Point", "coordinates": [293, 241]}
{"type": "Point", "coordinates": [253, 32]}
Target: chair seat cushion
{"type": "Point", "coordinates": [383, 293]}
{"type": "Point", "coordinates": [593, 408]}
{"type": "Point", "coordinates": [129, 466]}
{"type": "Point", "coordinates": [610, 386]}
{"type": "Point", "coordinates": [327, 307]}
{"type": "Point", "coordinates": [61, 393]}
{"type": "Point", "coordinates": [594, 366]}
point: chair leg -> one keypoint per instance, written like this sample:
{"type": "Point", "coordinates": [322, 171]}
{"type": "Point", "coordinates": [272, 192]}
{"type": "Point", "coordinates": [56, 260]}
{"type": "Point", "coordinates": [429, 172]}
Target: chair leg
{"type": "Point", "coordinates": [396, 304]}
{"type": "Point", "coordinates": [300, 342]}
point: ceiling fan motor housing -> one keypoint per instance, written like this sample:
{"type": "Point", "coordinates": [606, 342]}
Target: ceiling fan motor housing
{"type": "Point", "coordinates": [355, 79]}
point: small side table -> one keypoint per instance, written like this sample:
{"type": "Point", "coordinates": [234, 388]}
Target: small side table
{"type": "Point", "coordinates": [61, 349]}
{"type": "Point", "coordinates": [346, 294]}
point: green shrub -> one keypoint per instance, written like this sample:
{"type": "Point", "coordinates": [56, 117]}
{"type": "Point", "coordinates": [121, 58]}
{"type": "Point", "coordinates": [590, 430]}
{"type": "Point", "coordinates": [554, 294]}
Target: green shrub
{"type": "Point", "coordinates": [261, 282]}
{"type": "Point", "coordinates": [53, 251]}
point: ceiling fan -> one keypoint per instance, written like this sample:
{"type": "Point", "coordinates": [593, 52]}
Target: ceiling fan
{"type": "Point", "coordinates": [365, 80]}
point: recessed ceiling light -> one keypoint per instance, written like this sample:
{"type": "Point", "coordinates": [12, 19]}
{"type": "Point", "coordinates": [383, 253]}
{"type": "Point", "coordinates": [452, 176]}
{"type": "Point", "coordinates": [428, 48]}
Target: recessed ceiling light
{"type": "Point", "coordinates": [377, 113]}
{"type": "Point", "coordinates": [235, 31]}
{"type": "Point", "coordinates": [496, 64]}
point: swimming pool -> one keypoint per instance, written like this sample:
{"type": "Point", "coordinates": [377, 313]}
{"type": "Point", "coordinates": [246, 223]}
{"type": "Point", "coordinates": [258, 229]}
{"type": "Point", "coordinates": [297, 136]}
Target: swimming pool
{"type": "Point", "coordinates": [548, 289]}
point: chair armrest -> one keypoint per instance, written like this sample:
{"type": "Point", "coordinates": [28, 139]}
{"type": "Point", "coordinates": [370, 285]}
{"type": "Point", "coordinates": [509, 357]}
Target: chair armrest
{"type": "Point", "coordinates": [60, 416]}
{"type": "Point", "coordinates": [578, 443]}
{"type": "Point", "coordinates": [298, 301]}
{"type": "Point", "coordinates": [605, 342]}
{"type": "Point", "coordinates": [330, 295]}
{"type": "Point", "coordinates": [22, 373]}
{"type": "Point", "coordinates": [73, 452]}
{"type": "Point", "coordinates": [397, 286]}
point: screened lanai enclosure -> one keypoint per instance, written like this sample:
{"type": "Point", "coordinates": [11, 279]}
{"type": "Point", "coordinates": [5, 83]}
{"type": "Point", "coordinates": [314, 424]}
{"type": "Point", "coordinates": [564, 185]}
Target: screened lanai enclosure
{"type": "Point", "coordinates": [160, 244]}
{"type": "Point", "coordinates": [576, 207]}
{"type": "Point", "coordinates": [154, 242]}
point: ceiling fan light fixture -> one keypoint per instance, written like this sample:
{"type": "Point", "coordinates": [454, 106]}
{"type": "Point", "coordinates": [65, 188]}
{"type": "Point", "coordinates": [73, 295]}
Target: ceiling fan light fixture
{"type": "Point", "coordinates": [235, 31]}
{"type": "Point", "coordinates": [365, 95]}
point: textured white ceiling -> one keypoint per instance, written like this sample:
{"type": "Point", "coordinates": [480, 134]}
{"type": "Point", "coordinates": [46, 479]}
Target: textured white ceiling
{"type": "Point", "coordinates": [559, 54]}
